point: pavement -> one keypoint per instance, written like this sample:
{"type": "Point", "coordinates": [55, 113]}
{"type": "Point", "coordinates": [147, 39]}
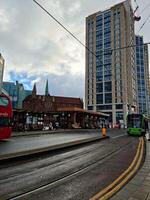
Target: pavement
{"type": "Point", "coordinates": [42, 132]}
{"type": "Point", "coordinates": [139, 186]}
{"type": "Point", "coordinates": [37, 142]}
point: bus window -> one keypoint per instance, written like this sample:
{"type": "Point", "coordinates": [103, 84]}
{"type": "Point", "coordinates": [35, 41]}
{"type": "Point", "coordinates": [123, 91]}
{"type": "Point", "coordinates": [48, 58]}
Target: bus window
{"type": "Point", "coordinates": [3, 101]}
{"type": "Point", "coordinates": [5, 122]}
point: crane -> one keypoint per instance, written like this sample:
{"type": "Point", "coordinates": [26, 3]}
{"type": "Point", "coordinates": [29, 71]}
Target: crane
{"type": "Point", "coordinates": [136, 17]}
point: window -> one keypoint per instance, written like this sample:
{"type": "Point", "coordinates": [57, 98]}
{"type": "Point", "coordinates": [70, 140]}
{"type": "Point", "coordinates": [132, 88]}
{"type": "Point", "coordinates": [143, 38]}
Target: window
{"type": "Point", "coordinates": [3, 101]}
{"type": "Point", "coordinates": [108, 98]}
{"type": "Point", "coordinates": [107, 77]}
{"type": "Point", "coordinates": [99, 99]}
{"type": "Point", "coordinates": [107, 30]}
{"type": "Point", "coordinates": [99, 87]}
{"type": "Point", "coordinates": [99, 18]}
{"type": "Point", "coordinates": [99, 69]}
{"type": "Point", "coordinates": [119, 106]}
{"type": "Point", "coordinates": [5, 121]}
{"type": "Point", "coordinates": [107, 72]}
{"type": "Point", "coordinates": [104, 107]}
{"type": "Point", "coordinates": [90, 107]}
{"type": "Point", "coordinates": [108, 86]}
{"type": "Point", "coordinates": [99, 78]}
{"type": "Point", "coordinates": [106, 25]}
{"type": "Point", "coordinates": [119, 116]}
{"type": "Point", "coordinates": [107, 14]}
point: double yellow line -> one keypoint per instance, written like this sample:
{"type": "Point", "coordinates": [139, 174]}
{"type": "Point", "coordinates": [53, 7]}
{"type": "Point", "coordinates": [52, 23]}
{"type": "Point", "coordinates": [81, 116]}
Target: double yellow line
{"type": "Point", "coordinates": [110, 190]}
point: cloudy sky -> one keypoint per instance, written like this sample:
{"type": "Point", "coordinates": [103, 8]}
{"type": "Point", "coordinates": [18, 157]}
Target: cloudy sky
{"type": "Point", "coordinates": [35, 48]}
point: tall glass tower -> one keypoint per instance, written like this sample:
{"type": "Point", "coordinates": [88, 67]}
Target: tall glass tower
{"type": "Point", "coordinates": [110, 78]}
{"type": "Point", "coordinates": [142, 75]}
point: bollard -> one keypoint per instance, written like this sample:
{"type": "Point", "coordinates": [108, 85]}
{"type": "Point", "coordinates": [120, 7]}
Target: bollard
{"type": "Point", "coordinates": [104, 132]}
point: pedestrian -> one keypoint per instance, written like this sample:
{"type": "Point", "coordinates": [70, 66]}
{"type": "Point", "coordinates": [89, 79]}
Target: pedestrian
{"type": "Point", "coordinates": [50, 126]}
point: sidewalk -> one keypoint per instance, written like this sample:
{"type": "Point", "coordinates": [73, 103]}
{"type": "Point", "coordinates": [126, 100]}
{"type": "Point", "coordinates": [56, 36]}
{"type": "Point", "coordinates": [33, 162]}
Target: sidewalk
{"type": "Point", "coordinates": [37, 143]}
{"type": "Point", "coordinates": [39, 132]}
{"type": "Point", "coordinates": [42, 132]}
{"type": "Point", "coordinates": [139, 187]}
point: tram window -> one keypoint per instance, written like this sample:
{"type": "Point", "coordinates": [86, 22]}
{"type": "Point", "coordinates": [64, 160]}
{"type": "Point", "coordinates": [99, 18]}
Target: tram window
{"type": "Point", "coordinates": [146, 124]}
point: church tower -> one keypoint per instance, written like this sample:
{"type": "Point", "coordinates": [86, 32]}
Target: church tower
{"type": "Point", "coordinates": [34, 90]}
{"type": "Point", "coordinates": [47, 89]}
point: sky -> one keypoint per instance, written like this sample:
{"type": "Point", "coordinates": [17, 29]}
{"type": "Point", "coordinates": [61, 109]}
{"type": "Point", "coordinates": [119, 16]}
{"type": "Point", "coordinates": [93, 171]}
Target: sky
{"type": "Point", "coordinates": [36, 48]}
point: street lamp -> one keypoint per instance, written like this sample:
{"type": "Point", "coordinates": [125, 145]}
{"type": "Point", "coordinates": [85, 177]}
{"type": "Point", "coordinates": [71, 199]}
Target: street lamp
{"type": "Point", "coordinates": [63, 120]}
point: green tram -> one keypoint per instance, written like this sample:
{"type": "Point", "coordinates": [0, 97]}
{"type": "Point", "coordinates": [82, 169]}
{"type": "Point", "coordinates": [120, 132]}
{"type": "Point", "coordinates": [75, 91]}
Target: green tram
{"type": "Point", "coordinates": [137, 124]}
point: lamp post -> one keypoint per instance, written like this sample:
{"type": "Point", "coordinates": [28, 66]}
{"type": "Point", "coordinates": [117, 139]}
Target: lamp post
{"type": "Point", "coordinates": [26, 120]}
{"type": "Point", "coordinates": [68, 121]}
{"type": "Point", "coordinates": [63, 120]}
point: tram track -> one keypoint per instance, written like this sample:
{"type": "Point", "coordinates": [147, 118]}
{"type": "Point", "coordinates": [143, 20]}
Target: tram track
{"type": "Point", "coordinates": [56, 161]}
{"type": "Point", "coordinates": [82, 170]}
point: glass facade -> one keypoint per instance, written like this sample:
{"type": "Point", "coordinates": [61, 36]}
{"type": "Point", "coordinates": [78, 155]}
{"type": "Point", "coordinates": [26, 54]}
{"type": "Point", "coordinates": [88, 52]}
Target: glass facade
{"type": "Point", "coordinates": [16, 93]}
{"type": "Point", "coordinates": [103, 61]}
{"type": "Point", "coordinates": [141, 79]}
{"type": "Point", "coordinates": [12, 91]}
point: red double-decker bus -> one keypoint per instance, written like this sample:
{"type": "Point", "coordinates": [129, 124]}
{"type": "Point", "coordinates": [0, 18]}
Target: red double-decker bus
{"type": "Point", "coordinates": [5, 116]}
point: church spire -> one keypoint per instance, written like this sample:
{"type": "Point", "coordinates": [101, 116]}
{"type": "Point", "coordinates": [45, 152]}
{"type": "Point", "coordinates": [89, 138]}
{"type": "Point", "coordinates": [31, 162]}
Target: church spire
{"type": "Point", "coordinates": [47, 89]}
{"type": "Point", "coordinates": [34, 90]}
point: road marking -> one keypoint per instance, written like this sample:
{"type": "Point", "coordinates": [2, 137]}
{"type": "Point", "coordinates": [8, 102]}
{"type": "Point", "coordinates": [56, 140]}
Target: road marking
{"type": "Point", "coordinates": [110, 190]}
{"type": "Point", "coordinates": [119, 136]}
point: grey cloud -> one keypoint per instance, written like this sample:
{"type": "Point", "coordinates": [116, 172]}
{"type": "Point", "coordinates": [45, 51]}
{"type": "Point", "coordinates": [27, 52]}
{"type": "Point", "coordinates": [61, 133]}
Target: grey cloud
{"type": "Point", "coordinates": [32, 42]}
{"type": "Point", "coordinates": [65, 85]}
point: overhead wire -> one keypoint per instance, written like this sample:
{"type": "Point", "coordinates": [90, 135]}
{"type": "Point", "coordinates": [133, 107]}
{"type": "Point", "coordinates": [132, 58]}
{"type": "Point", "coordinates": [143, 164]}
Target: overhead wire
{"type": "Point", "coordinates": [102, 51]}
{"type": "Point", "coordinates": [141, 13]}
{"type": "Point", "coordinates": [97, 57]}
{"type": "Point", "coordinates": [144, 23]}
{"type": "Point", "coordinates": [64, 27]}
{"type": "Point", "coordinates": [145, 8]}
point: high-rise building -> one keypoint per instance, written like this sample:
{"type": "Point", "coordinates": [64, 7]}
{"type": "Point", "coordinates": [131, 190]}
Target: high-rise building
{"type": "Point", "coordinates": [16, 92]}
{"type": "Point", "coordinates": [147, 74]}
{"type": "Point", "coordinates": [1, 71]}
{"type": "Point", "coordinates": [142, 66]}
{"type": "Point", "coordinates": [110, 80]}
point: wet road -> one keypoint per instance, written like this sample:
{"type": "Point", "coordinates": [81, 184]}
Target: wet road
{"type": "Point", "coordinates": [73, 173]}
